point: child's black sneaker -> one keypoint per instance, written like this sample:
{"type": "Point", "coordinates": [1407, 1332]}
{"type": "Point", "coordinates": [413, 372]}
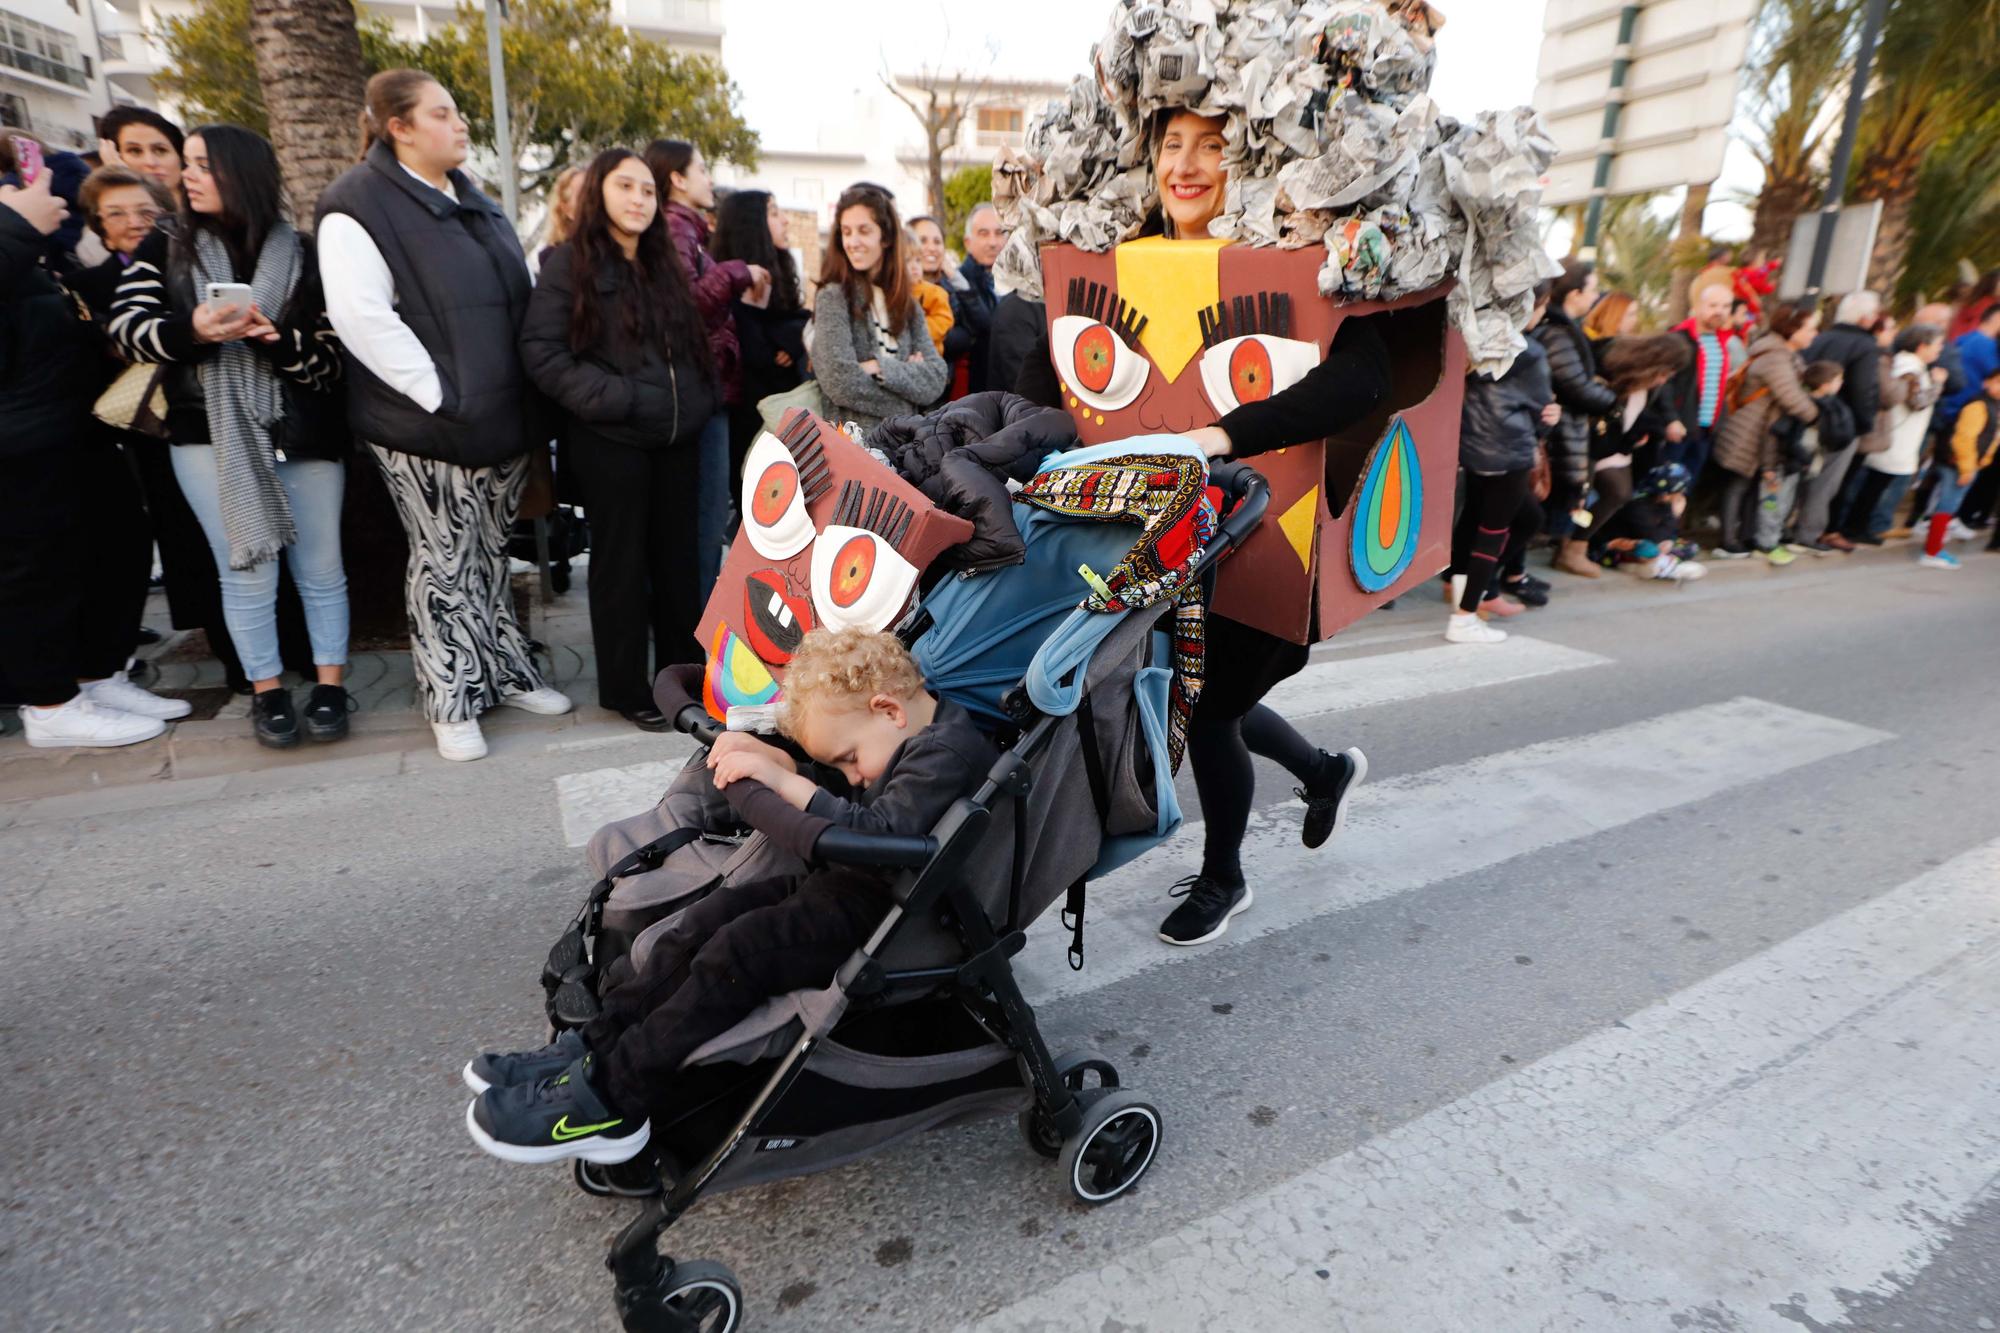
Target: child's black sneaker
{"type": "Point", "coordinates": [1205, 915]}
{"type": "Point", "coordinates": [1326, 800]}
{"type": "Point", "coordinates": [555, 1119]}
{"type": "Point", "coordinates": [504, 1069]}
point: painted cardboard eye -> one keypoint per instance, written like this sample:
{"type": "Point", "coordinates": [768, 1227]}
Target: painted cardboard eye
{"type": "Point", "coordinates": [1252, 368]}
{"type": "Point", "coordinates": [774, 617]}
{"type": "Point", "coordinates": [735, 677]}
{"type": "Point", "coordinates": [1095, 364]}
{"type": "Point", "coordinates": [773, 502]}
{"type": "Point", "coordinates": [859, 581]}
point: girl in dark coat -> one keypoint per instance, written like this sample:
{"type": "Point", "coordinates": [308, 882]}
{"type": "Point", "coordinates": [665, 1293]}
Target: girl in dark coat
{"type": "Point", "coordinates": [613, 336]}
{"type": "Point", "coordinates": [751, 229]}
{"type": "Point", "coordinates": [1625, 442]}
{"type": "Point", "coordinates": [1582, 396]}
{"type": "Point", "coordinates": [1501, 425]}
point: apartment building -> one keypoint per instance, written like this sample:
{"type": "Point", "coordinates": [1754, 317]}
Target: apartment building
{"type": "Point", "coordinates": [51, 72]}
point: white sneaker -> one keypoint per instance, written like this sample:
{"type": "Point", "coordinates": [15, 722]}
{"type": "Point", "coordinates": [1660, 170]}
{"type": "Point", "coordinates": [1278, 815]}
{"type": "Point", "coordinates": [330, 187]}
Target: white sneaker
{"type": "Point", "coordinates": [459, 741]}
{"type": "Point", "coordinates": [120, 693]}
{"type": "Point", "coordinates": [1468, 628]}
{"type": "Point", "coordinates": [1942, 560]}
{"type": "Point", "coordinates": [547, 702]}
{"type": "Point", "coordinates": [1956, 531]}
{"type": "Point", "coordinates": [1673, 569]}
{"type": "Point", "coordinates": [83, 722]}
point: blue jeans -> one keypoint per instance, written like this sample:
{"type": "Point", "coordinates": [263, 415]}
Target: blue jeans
{"type": "Point", "coordinates": [1883, 516]}
{"type": "Point", "coordinates": [712, 499]}
{"type": "Point", "coordinates": [1691, 453]}
{"type": "Point", "coordinates": [1948, 491]}
{"type": "Point", "coordinates": [250, 596]}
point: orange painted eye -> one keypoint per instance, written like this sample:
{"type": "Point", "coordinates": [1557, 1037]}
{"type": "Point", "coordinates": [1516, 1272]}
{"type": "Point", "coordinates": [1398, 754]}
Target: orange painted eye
{"type": "Point", "coordinates": [773, 496]}
{"type": "Point", "coordinates": [1095, 358]}
{"type": "Point", "coordinates": [1254, 368]}
{"type": "Point", "coordinates": [853, 568]}
{"type": "Point", "coordinates": [1100, 371]}
{"type": "Point", "coordinates": [1250, 371]}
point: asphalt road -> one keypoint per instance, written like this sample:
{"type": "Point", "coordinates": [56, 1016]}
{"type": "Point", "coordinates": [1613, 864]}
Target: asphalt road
{"type": "Point", "coordinates": [1653, 985]}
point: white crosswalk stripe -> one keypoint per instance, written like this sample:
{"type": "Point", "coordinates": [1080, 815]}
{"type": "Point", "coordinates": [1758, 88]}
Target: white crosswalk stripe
{"type": "Point", "coordinates": [1337, 684]}
{"type": "Point", "coordinates": [589, 800]}
{"type": "Point", "coordinates": [1427, 827]}
{"type": "Point", "coordinates": [1810, 1122]}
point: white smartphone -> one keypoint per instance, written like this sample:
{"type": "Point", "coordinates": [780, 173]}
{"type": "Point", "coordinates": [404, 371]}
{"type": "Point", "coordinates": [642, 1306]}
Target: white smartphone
{"type": "Point", "coordinates": [230, 300]}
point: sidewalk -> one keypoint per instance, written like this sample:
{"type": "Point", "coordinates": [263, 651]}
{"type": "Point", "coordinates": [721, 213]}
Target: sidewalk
{"type": "Point", "coordinates": [215, 746]}
{"type": "Point", "coordinates": [388, 731]}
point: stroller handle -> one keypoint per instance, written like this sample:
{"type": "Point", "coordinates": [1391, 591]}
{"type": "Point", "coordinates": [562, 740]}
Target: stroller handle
{"type": "Point", "coordinates": [1249, 495]}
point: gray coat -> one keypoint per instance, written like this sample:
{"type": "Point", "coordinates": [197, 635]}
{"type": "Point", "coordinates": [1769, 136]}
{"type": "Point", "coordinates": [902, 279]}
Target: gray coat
{"type": "Point", "coordinates": [841, 343]}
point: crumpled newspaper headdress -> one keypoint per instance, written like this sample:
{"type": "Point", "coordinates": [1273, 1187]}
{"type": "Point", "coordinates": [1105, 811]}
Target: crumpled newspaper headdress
{"type": "Point", "coordinates": [1330, 138]}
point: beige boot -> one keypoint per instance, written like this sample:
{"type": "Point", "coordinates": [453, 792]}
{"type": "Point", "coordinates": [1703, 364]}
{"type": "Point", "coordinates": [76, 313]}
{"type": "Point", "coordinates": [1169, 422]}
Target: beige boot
{"type": "Point", "coordinates": [1574, 558]}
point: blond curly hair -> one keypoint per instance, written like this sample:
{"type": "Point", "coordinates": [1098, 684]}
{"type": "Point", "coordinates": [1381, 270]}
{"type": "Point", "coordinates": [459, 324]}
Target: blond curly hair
{"type": "Point", "coordinates": [845, 668]}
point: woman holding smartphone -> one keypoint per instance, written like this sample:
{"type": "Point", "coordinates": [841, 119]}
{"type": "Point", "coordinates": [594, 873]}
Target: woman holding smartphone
{"type": "Point", "coordinates": [229, 295]}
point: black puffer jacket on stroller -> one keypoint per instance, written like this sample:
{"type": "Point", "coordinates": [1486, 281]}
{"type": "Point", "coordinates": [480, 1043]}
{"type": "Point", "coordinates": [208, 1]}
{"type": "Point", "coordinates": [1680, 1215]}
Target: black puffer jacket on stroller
{"type": "Point", "coordinates": [959, 457]}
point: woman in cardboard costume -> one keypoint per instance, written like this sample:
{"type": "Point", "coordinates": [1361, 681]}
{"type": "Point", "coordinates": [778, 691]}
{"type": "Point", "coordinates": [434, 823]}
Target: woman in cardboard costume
{"type": "Point", "coordinates": [1213, 146]}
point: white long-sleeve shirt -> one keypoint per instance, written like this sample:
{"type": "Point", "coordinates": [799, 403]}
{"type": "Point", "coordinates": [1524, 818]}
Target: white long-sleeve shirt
{"type": "Point", "coordinates": [361, 305]}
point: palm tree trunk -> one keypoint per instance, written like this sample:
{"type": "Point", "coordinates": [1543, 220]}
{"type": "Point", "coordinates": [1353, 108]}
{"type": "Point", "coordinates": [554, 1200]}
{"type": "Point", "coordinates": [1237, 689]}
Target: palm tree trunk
{"type": "Point", "coordinates": [1779, 204]}
{"type": "Point", "coordinates": [1892, 178]}
{"type": "Point", "coordinates": [309, 64]}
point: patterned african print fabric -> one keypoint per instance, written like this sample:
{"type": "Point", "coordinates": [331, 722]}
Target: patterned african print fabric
{"type": "Point", "coordinates": [1168, 496]}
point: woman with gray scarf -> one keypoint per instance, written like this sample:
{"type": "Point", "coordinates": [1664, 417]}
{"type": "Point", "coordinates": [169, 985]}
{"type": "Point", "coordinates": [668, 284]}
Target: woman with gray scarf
{"type": "Point", "coordinates": [257, 438]}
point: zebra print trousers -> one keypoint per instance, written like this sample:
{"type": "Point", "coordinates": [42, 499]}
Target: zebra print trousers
{"type": "Point", "coordinates": [466, 646]}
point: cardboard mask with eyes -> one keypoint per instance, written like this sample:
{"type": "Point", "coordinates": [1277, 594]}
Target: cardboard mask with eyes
{"type": "Point", "coordinates": [1166, 336]}
{"type": "Point", "coordinates": [831, 536]}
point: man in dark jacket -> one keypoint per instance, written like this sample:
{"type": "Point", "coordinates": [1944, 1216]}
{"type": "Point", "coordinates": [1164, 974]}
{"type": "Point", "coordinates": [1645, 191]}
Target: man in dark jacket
{"type": "Point", "coordinates": [984, 236]}
{"type": "Point", "coordinates": [63, 627]}
{"type": "Point", "coordinates": [1850, 345]}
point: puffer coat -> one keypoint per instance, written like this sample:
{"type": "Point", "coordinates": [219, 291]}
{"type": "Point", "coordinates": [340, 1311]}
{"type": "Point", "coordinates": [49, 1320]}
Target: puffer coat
{"type": "Point", "coordinates": [961, 456]}
{"type": "Point", "coordinates": [1573, 371]}
{"type": "Point", "coordinates": [1770, 389]}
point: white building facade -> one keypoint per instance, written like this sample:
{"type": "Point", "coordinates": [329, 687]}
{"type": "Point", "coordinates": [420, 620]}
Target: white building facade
{"type": "Point", "coordinates": [807, 162]}
{"type": "Point", "coordinates": [52, 78]}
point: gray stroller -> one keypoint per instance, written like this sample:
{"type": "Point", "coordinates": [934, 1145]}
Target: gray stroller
{"type": "Point", "coordinates": [925, 1026]}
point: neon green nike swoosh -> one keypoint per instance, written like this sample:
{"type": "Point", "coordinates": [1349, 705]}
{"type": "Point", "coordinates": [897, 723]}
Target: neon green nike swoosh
{"type": "Point", "coordinates": [563, 1132]}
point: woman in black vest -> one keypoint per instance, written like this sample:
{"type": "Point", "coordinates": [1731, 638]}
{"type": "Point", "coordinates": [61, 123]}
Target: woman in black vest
{"type": "Point", "coordinates": [613, 336]}
{"type": "Point", "coordinates": [257, 441]}
{"type": "Point", "coordinates": [427, 286]}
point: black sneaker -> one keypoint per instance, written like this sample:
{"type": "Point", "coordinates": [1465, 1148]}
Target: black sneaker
{"type": "Point", "coordinates": [1528, 592]}
{"type": "Point", "coordinates": [1205, 915]}
{"type": "Point", "coordinates": [326, 712]}
{"type": "Point", "coordinates": [1326, 807]}
{"type": "Point", "coordinates": [647, 719]}
{"type": "Point", "coordinates": [503, 1069]}
{"type": "Point", "coordinates": [554, 1119]}
{"type": "Point", "coordinates": [274, 720]}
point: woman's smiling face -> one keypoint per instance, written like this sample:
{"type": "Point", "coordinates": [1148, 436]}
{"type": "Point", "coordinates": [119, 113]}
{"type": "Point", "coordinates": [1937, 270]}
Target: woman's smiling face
{"type": "Point", "coordinates": [1188, 170]}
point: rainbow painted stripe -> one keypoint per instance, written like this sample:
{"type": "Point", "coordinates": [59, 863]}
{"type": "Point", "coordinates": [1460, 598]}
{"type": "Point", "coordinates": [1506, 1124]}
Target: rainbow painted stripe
{"type": "Point", "coordinates": [1388, 511]}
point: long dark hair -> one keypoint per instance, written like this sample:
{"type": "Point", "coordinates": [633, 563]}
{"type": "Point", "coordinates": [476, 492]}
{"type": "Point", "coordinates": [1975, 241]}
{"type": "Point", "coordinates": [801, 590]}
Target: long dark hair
{"type": "Point", "coordinates": [252, 190]}
{"type": "Point", "coordinates": [743, 231]}
{"type": "Point", "coordinates": [1576, 272]}
{"type": "Point", "coordinates": [892, 275]}
{"type": "Point", "coordinates": [656, 307]}
{"type": "Point", "coordinates": [1630, 362]}
{"type": "Point", "coordinates": [665, 157]}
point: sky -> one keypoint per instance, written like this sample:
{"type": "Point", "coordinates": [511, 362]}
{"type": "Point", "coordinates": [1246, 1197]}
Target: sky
{"type": "Point", "coordinates": [1486, 60]}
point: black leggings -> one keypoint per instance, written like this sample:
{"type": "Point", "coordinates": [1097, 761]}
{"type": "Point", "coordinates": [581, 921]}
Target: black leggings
{"type": "Point", "coordinates": [1492, 510]}
{"type": "Point", "coordinates": [1229, 725]}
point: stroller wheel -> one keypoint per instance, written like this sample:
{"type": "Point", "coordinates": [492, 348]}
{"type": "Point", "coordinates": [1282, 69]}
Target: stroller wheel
{"type": "Point", "coordinates": [700, 1297]}
{"type": "Point", "coordinates": [1119, 1139]}
{"type": "Point", "coordinates": [635, 1179]}
{"type": "Point", "coordinates": [1075, 1069]}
